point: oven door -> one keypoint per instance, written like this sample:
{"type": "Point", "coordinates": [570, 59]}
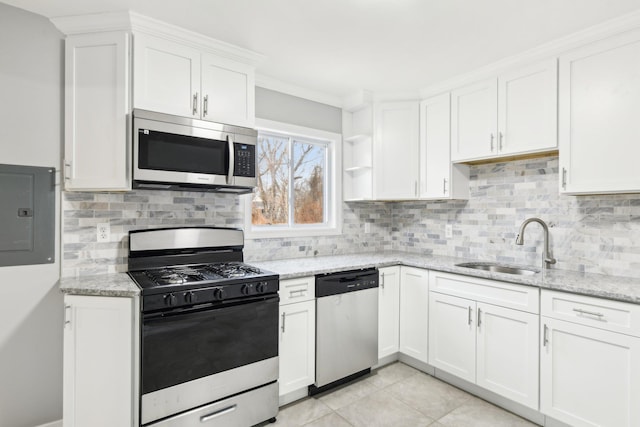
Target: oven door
{"type": "Point", "coordinates": [191, 357]}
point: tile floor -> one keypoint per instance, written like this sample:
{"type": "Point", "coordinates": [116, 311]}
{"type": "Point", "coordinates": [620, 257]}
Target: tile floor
{"type": "Point", "coordinates": [399, 396]}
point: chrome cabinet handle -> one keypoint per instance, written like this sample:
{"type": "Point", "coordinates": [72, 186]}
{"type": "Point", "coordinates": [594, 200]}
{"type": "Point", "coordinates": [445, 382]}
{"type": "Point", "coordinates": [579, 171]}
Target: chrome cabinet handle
{"type": "Point", "coordinates": [591, 313]}
{"type": "Point", "coordinates": [67, 171]}
{"type": "Point", "coordinates": [564, 178]}
{"type": "Point", "coordinates": [479, 320]}
{"type": "Point", "coordinates": [195, 103]}
{"type": "Point", "coordinates": [382, 281]}
{"type": "Point", "coordinates": [205, 106]}
{"type": "Point", "coordinates": [491, 139]}
{"type": "Point", "coordinates": [444, 186]}
{"type": "Point", "coordinates": [469, 320]}
{"type": "Point", "coordinates": [500, 141]}
{"type": "Point", "coordinates": [545, 336]}
{"type": "Point", "coordinates": [67, 319]}
{"type": "Point", "coordinates": [284, 316]}
{"type": "Point", "coordinates": [221, 412]}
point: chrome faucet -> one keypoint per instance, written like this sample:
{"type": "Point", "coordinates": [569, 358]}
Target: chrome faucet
{"type": "Point", "coordinates": [546, 256]}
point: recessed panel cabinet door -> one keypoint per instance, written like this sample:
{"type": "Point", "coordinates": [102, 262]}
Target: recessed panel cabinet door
{"type": "Point", "coordinates": [452, 335]}
{"type": "Point", "coordinates": [297, 346]}
{"type": "Point", "coordinates": [166, 76]}
{"type": "Point", "coordinates": [507, 353]}
{"type": "Point", "coordinates": [599, 127]}
{"type": "Point", "coordinates": [396, 150]}
{"type": "Point", "coordinates": [474, 110]}
{"type": "Point", "coordinates": [588, 376]}
{"type": "Point", "coordinates": [99, 376]}
{"type": "Point", "coordinates": [228, 91]}
{"type": "Point", "coordinates": [388, 311]}
{"type": "Point", "coordinates": [527, 109]}
{"type": "Point", "coordinates": [96, 141]}
{"type": "Point", "coordinates": [414, 320]}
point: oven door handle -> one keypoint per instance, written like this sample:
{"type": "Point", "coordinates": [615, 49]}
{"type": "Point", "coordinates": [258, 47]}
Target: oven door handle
{"type": "Point", "coordinates": [210, 307]}
{"type": "Point", "coordinates": [221, 412]}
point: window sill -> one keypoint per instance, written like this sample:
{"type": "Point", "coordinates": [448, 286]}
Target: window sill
{"type": "Point", "coordinates": [277, 233]}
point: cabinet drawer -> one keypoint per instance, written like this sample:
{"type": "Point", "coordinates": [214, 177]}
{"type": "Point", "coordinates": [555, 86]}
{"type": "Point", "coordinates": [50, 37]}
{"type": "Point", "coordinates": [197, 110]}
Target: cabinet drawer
{"type": "Point", "coordinates": [601, 313]}
{"type": "Point", "coordinates": [296, 290]}
{"type": "Point", "coordinates": [519, 297]}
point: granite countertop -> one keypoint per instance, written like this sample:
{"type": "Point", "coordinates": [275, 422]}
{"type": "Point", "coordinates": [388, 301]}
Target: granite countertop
{"type": "Point", "coordinates": [108, 285]}
{"type": "Point", "coordinates": [599, 285]}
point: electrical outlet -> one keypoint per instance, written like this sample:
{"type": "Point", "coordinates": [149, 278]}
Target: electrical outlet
{"type": "Point", "coordinates": [367, 227]}
{"type": "Point", "coordinates": [104, 232]}
{"type": "Point", "coordinates": [448, 231]}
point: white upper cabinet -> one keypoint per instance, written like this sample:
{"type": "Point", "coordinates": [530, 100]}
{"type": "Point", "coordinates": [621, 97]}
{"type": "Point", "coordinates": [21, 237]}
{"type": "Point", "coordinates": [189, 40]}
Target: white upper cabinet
{"type": "Point", "coordinates": [527, 109]}
{"type": "Point", "coordinates": [166, 76]}
{"type": "Point", "coordinates": [175, 78]}
{"type": "Point", "coordinates": [474, 110]}
{"type": "Point", "coordinates": [228, 91]}
{"type": "Point", "coordinates": [599, 126]}
{"type": "Point", "coordinates": [439, 178]}
{"type": "Point", "coordinates": [396, 150]}
{"type": "Point", "coordinates": [96, 141]}
{"type": "Point", "coordinates": [513, 114]}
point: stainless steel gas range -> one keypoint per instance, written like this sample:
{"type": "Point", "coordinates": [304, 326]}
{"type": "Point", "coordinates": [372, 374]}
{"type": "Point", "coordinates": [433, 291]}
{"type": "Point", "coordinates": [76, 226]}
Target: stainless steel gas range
{"type": "Point", "coordinates": [209, 338]}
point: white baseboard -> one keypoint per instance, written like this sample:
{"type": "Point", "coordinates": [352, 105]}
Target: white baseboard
{"type": "Point", "coordinates": [52, 424]}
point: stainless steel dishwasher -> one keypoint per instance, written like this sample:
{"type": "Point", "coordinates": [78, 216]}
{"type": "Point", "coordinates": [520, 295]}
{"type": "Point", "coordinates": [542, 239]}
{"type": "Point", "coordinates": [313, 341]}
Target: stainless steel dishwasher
{"type": "Point", "coordinates": [346, 327]}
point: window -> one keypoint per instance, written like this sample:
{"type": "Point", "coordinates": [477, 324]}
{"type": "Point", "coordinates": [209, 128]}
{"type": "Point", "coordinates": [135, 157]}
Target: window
{"type": "Point", "coordinates": [298, 186]}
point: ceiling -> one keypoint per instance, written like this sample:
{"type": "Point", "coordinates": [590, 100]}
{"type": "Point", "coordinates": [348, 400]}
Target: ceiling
{"type": "Point", "coordinates": [335, 47]}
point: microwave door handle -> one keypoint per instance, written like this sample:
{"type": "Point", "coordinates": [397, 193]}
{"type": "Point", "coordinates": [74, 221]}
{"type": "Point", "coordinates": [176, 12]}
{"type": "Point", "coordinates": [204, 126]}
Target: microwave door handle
{"type": "Point", "coordinates": [231, 160]}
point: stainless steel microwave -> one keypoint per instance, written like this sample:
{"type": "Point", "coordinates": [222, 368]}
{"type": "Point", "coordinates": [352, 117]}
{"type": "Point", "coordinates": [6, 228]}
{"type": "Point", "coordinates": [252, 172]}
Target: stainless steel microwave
{"type": "Point", "coordinates": [180, 153]}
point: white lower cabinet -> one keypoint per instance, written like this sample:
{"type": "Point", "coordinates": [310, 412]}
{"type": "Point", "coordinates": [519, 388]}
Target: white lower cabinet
{"type": "Point", "coordinates": [493, 346]}
{"type": "Point", "coordinates": [414, 300]}
{"type": "Point", "coordinates": [388, 311]}
{"type": "Point", "coordinates": [297, 335]}
{"type": "Point", "coordinates": [590, 375]}
{"type": "Point", "coordinates": [100, 361]}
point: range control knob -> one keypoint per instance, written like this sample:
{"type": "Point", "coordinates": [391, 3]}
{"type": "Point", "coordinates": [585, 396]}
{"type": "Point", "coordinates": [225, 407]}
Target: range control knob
{"type": "Point", "coordinates": [189, 297]}
{"type": "Point", "coordinates": [246, 289]}
{"type": "Point", "coordinates": [170, 299]}
{"type": "Point", "coordinates": [261, 287]}
{"type": "Point", "coordinates": [219, 294]}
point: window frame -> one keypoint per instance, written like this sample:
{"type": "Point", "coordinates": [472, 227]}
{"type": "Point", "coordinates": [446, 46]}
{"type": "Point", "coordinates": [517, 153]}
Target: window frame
{"type": "Point", "coordinates": [333, 202]}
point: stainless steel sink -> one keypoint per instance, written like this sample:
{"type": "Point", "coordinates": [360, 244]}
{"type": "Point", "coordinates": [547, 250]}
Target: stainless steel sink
{"type": "Point", "coordinates": [498, 268]}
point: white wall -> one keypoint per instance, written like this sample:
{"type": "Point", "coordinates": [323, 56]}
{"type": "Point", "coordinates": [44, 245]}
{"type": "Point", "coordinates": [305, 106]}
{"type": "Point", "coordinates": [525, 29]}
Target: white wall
{"type": "Point", "coordinates": [31, 65]}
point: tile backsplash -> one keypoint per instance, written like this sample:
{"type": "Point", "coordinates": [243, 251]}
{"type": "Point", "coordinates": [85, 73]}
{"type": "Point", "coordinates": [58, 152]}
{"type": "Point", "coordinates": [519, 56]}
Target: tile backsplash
{"type": "Point", "coordinates": [588, 233]}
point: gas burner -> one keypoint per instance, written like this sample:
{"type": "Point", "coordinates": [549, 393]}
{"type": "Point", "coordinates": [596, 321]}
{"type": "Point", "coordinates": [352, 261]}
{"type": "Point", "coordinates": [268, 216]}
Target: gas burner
{"type": "Point", "coordinates": [175, 276]}
{"type": "Point", "coordinates": [233, 269]}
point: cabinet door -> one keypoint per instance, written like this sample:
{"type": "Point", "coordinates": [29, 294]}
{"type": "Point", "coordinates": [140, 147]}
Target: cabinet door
{"type": "Point", "coordinates": [452, 335]}
{"type": "Point", "coordinates": [527, 109]}
{"type": "Point", "coordinates": [228, 91]}
{"type": "Point", "coordinates": [598, 125]}
{"type": "Point", "coordinates": [589, 377]}
{"type": "Point", "coordinates": [474, 111]}
{"type": "Point", "coordinates": [96, 142]}
{"type": "Point", "coordinates": [166, 76]}
{"type": "Point", "coordinates": [414, 320]}
{"type": "Point", "coordinates": [98, 362]}
{"type": "Point", "coordinates": [396, 153]}
{"type": "Point", "coordinates": [297, 346]}
{"type": "Point", "coordinates": [435, 147]}
{"type": "Point", "coordinates": [388, 311]}
{"type": "Point", "coordinates": [507, 353]}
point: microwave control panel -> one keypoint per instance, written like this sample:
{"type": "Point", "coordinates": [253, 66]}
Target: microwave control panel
{"type": "Point", "coordinates": [245, 160]}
